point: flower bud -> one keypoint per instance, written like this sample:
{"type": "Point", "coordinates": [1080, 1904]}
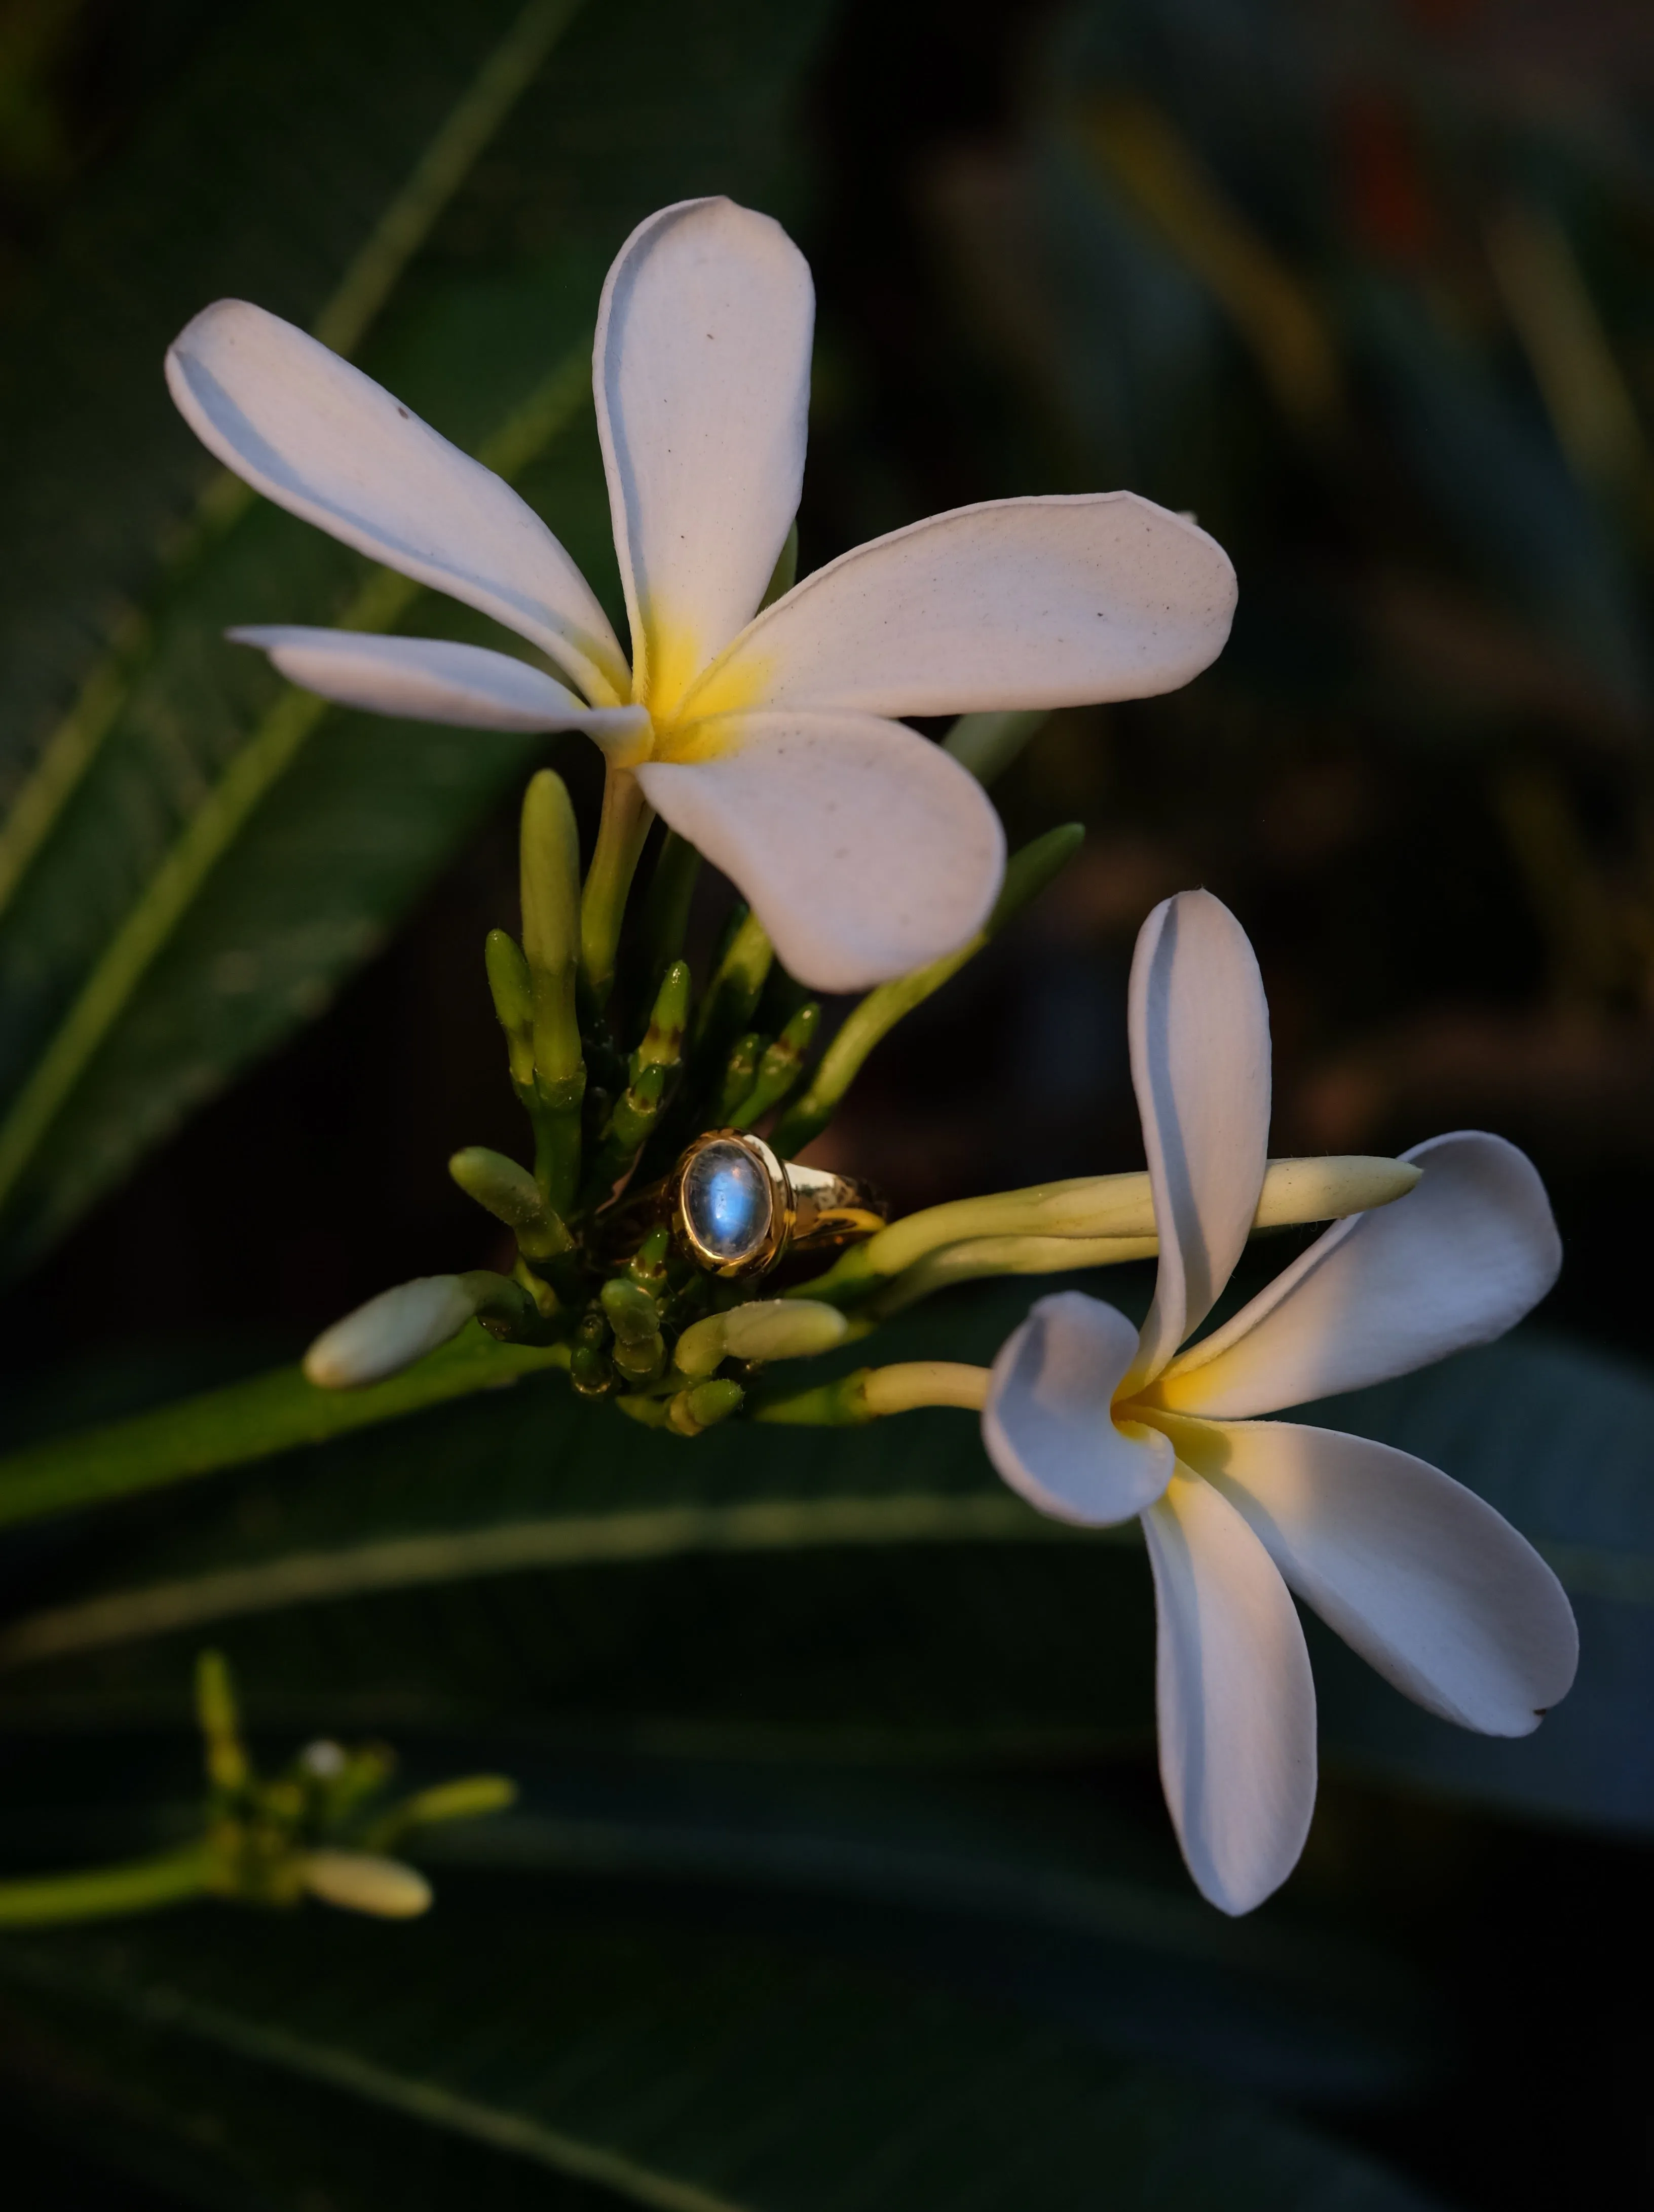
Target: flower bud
{"type": "Point", "coordinates": [511, 1194]}
{"type": "Point", "coordinates": [362, 1881]}
{"type": "Point", "coordinates": [771, 1328]}
{"type": "Point", "coordinates": [513, 1002]}
{"type": "Point", "coordinates": [389, 1333]}
{"type": "Point", "coordinates": [550, 898]}
{"type": "Point", "coordinates": [782, 1328]}
{"type": "Point", "coordinates": [704, 1405]}
{"type": "Point", "coordinates": [1330, 1189]}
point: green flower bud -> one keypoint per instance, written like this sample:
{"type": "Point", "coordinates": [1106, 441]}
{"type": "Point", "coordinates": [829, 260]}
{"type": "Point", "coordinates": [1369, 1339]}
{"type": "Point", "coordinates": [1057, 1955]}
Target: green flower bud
{"type": "Point", "coordinates": [703, 1406]}
{"type": "Point", "coordinates": [511, 1194]}
{"type": "Point", "coordinates": [513, 1002]}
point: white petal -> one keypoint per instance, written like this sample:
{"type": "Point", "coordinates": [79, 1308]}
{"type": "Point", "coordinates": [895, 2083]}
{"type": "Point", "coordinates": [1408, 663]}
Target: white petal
{"type": "Point", "coordinates": [1052, 602]}
{"type": "Point", "coordinates": [431, 679]}
{"type": "Point", "coordinates": [703, 382]}
{"type": "Point", "coordinates": [1235, 1700]}
{"type": "Point", "coordinates": [1419, 1575]}
{"type": "Point", "coordinates": [1457, 1261]}
{"type": "Point", "coordinates": [1049, 1425]}
{"type": "Point", "coordinates": [1200, 1065]}
{"type": "Point", "coordinates": [329, 444]}
{"type": "Point", "coordinates": [864, 849]}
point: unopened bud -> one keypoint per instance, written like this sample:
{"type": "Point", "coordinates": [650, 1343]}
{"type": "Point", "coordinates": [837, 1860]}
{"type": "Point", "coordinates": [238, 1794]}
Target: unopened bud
{"type": "Point", "coordinates": [389, 1333]}
{"type": "Point", "coordinates": [771, 1328]}
{"type": "Point", "coordinates": [662, 1040]}
{"type": "Point", "coordinates": [466, 1799]}
{"type": "Point", "coordinates": [362, 1881]}
{"type": "Point", "coordinates": [703, 1406]}
{"type": "Point", "coordinates": [591, 1372]}
{"type": "Point", "coordinates": [1330, 1189]}
{"type": "Point", "coordinates": [513, 1002]}
{"type": "Point", "coordinates": [782, 1328]}
{"type": "Point", "coordinates": [647, 1265]}
{"type": "Point", "coordinates": [632, 1313]}
{"type": "Point", "coordinates": [511, 1194]}
{"type": "Point", "coordinates": [550, 898]}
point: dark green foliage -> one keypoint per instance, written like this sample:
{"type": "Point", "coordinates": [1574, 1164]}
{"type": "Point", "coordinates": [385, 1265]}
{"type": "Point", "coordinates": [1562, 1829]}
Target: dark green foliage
{"type": "Point", "coordinates": [363, 812]}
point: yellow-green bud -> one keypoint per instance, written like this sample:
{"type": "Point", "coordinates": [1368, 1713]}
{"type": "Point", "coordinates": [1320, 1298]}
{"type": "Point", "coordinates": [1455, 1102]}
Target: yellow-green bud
{"type": "Point", "coordinates": [362, 1881]}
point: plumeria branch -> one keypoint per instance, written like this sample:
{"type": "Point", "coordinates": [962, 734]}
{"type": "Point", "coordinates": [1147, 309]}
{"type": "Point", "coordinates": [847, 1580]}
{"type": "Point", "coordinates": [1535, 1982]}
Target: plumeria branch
{"type": "Point", "coordinates": [312, 1830]}
{"type": "Point", "coordinates": [1109, 1219]}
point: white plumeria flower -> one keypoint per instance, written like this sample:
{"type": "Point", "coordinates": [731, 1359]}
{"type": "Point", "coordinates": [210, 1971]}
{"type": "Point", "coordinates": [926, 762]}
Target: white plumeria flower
{"type": "Point", "coordinates": [1093, 1421]}
{"type": "Point", "coordinates": [768, 743]}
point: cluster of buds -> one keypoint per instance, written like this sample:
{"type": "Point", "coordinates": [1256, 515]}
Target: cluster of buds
{"type": "Point", "coordinates": [321, 1827]}
{"type": "Point", "coordinates": [601, 1269]}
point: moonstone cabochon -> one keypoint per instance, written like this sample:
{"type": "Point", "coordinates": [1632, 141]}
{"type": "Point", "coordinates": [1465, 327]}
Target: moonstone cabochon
{"type": "Point", "coordinates": [726, 1201]}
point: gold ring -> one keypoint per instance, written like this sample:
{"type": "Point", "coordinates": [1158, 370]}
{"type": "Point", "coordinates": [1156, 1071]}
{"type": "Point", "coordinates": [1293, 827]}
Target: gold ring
{"type": "Point", "coordinates": [739, 1210]}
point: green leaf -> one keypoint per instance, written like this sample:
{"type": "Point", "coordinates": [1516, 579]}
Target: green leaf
{"type": "Point", "coordinates": [197, 858]}
{"type": "Point", "coordinates": [522, 1549]}
{"type": "Point", "coordinates": [248, 1420]}
{"type": "Point", "coordinates": [1028, 1885]}
{"type": "Point", "coordinates": [698, 2068]}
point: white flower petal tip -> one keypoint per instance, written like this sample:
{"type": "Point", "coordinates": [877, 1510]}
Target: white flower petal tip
{"type": "Point", "coordinates": [362, 1881]}
{"type": "Point", "coordinates": [1200, 1059]}
{"type": "Point", "coordinates": [1457, 1261]}
{"type": "Point", "coordinates": [702, 384]}
{"type": "Point", "coordinates": [389, 1333]}
{"type": "Point", "coordinates": [327, 443]}
{"type": "Point", "coordinates": [864, 849]}
{"type": "Point", "coordinates": [431, 679]}
{"type": "Point", "coordinates": [1040, 602]}
{"type": "Point", "coordinates": [1048, 1423]}
{"type": "Point", "coordinates": [1235, 1697]}
{"type": "Point", "coordinates": [1432, 1587]}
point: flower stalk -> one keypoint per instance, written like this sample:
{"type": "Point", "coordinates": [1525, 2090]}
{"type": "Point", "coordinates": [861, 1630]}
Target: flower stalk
{"type": "Point", "coordinates": [311, 1831]}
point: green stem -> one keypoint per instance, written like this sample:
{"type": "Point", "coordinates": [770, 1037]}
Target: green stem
{"type": "Point", "coordinates": [666, 906]}
{"type": "Point", "coordinates": [249, 1420]}
{"type": "Point", "coordinates": [737, 985]}
{"type": "Point", "coordinates": [99, 1892]}
{"type": "Point", "coordinates": [624, 826]}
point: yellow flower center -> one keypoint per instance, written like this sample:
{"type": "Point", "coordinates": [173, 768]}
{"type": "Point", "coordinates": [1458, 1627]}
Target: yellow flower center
{"type": "Point", "coordinates": [673, 675]}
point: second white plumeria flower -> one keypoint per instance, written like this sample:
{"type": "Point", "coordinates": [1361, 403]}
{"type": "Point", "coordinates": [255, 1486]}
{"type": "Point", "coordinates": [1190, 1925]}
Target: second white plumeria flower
{"type": "Point", "coordinates": [770, 744]}
{"type": "Point", "coordinates": [1094, 1421]}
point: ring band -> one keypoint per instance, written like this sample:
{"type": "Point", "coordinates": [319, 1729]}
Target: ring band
{"type": "Point", "coordinates": [739, 1210]}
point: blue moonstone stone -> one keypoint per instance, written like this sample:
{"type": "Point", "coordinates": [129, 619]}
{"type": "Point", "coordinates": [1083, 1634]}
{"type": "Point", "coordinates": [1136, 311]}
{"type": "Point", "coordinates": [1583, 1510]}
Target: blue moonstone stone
{"type": "Point", "coordinates": [726, 1201]}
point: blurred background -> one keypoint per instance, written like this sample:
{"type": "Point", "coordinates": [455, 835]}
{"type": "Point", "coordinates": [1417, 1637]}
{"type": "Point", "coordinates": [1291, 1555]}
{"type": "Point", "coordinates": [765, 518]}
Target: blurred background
{"type": "Point", "coordinates": [1365, 286]}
